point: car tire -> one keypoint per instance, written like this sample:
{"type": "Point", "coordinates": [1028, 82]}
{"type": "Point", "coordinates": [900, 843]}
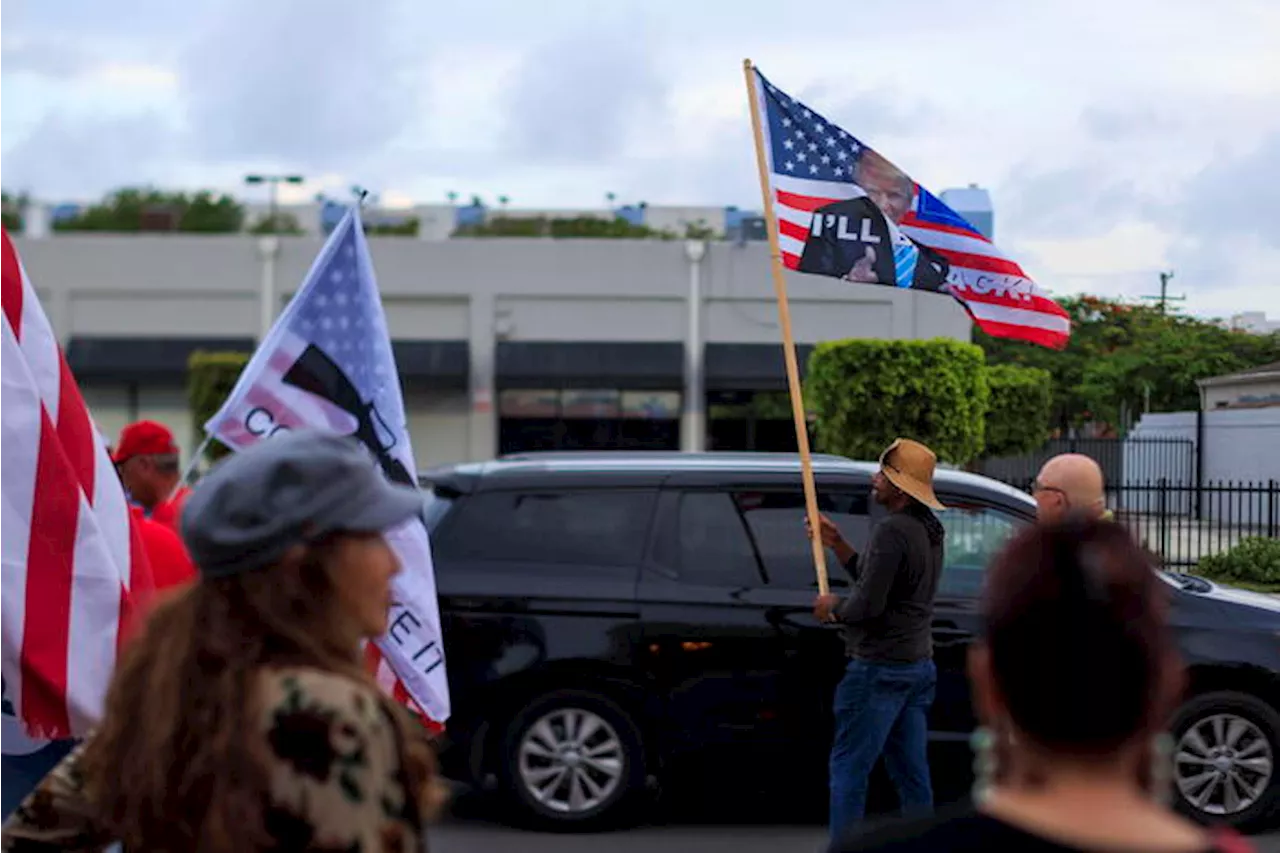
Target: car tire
{"type": "Point", "coordinates": [572, 759]}
{"type": "Point", "coordinates": [1236, 738]}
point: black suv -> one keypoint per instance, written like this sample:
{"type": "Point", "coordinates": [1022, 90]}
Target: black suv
{"type": "Point", "coordinates": [613, 618]}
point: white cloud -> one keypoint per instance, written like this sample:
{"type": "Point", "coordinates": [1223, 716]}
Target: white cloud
{"type": "Point", "coordinates": [1117, 138]}
{"type": "Point", "coordinates": [306, 84]}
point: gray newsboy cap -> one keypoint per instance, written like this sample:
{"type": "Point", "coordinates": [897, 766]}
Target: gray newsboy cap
{"type": "Point", "coordinates": [297, 487]}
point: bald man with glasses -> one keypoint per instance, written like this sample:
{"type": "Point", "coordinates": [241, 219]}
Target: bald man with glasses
{"type": "Point", "coordinates": [1070, 485]}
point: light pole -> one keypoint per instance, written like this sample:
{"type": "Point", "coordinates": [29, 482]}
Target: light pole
{"type": "Point", "coordinates": [272, 182]}
{"type": "Point", "coordinates": [269, 247]}
{"type": "Point", "coordinates": [692, 427]}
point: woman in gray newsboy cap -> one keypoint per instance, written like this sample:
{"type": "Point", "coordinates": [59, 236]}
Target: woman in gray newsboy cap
{"type": "Point", "coordinates": [240, 718]}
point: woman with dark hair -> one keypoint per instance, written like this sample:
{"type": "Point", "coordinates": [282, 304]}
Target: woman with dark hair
{"type": "Point", "coordinates": [1073, 682]}
{"type": "Point", "coordinates": [241, 718]}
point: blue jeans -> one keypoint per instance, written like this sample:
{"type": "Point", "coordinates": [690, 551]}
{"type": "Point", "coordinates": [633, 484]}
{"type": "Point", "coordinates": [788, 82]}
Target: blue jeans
{"type": "Point", "coordinates": [881, 708]}
{"type": "Point", "coordinates": [21, 773]}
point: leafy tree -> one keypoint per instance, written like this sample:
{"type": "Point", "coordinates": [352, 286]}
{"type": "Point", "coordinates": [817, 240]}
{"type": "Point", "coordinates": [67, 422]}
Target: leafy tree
{"type": "Point", "coordinates": [408, 228]}
{"type": "Point", "coordinates": [281, 223]}
{"type": "Point", "coordinates": [1122, 355]}
{"type": "Point", "coordinates": [144, 209]}
{"type": "Point", "coordinates": [866, 393]}
{"type": "Point", "coordinates": [579, 226]}
{"type": "Point", "coordinates": [1018, 416]}
{"type": "Point", "coordinates": [14, 208]}
{"type": "Point", "coordinates": [700, 230]}
{"type": "Point", "coordinates": [1162, 368]}
{"type": "Point", "coordinates": [210, 378]}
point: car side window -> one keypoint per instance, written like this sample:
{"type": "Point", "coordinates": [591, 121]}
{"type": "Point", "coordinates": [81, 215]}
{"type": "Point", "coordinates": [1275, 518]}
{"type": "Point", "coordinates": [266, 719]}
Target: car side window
{"type": "Point", "coordinates": [713, 546]}
{"type": "Point", "coordinates": [603, 527]}
{"type": "Point", "coordinates": [975, 533]}
{"type": "Point", "coordinates": [776, 522]}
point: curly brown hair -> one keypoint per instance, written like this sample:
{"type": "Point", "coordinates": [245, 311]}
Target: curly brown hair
{"type": "Point", "coordinates": [171, 767]}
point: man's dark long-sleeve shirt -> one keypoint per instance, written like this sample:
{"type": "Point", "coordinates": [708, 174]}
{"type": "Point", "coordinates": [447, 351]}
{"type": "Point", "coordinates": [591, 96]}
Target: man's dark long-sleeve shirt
{"type": "Point", "coordinates": [888, 616]}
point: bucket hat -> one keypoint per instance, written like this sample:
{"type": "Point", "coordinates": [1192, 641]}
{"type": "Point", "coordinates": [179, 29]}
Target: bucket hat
{"type": "Point", "coordinates": [909, 465]}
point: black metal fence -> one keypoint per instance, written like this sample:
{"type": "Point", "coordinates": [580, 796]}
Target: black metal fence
{"type": "Point", "coordinates": [1184, 523]}
{"type": "Point", "coordinates": [1122, 460]}
{"type": "Point", "coordinates": [1154, 488]}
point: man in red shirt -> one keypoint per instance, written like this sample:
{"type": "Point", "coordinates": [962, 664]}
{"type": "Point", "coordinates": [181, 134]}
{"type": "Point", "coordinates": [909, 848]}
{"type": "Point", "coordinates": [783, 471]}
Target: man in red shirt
{"type": "Point", "coordinates": [148, 461]}
{"type": "Point", "coordinates": [170, 564]}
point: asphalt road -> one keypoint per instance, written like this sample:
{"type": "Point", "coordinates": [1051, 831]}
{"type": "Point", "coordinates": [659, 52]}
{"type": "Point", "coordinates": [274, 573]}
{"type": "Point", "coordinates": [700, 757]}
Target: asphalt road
{"type": "Point", "coordinates": [775, 839]}
{"type": "Point", "coordinates": [472, 828]}
{"type": "Point", "coordinates": [456, 837]}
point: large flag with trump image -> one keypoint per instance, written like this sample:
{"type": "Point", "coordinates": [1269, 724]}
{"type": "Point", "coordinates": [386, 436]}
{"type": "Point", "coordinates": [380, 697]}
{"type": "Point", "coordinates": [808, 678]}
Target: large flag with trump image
{"type": "Point", "coordinates": [327, 364]}
{"type": "Point", "coordinates": [845, 211]}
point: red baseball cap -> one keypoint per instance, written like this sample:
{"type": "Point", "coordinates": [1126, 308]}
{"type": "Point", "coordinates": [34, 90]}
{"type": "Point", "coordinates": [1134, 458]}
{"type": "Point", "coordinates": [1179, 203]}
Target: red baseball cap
{"type": "Point", "coordinates": [144, 438]}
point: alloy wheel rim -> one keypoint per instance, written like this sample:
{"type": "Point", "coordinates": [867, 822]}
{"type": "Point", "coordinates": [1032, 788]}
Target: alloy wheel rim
{"type": "Point", "coordinates": [570, 760]}
{"type": "Point", "coordinates": [1223, 763]}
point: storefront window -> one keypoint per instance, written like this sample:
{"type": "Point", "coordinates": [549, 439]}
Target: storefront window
{"type": "Point", "coordinates": [588, 419]}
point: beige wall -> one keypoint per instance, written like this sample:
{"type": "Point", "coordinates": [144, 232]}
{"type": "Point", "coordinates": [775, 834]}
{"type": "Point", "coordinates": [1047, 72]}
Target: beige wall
{"type": "Point", "coordinates": [439, 427]}
{"type": "Point", "coordinates": [438, 421]}
{"type": "Point", "coordinates": [482, 291]}
{"type": "Point", "coordinates": [209, 285]}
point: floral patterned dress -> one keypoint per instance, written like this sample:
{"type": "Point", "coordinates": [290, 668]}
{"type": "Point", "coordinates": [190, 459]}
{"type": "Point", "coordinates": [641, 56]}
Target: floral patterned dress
{"type": "Point", "coordinates": [336, 778]}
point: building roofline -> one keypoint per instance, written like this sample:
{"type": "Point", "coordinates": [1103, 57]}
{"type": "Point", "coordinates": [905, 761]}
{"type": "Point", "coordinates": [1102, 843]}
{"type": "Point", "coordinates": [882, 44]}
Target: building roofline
{"type": "Point", "coordinates": [1261, 373]}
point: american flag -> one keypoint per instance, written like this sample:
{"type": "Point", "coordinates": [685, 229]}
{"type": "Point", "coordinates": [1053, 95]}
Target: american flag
{"type": "Point", "coordinates": [336, 321]}
{"type": "Point", "coordinates": [814, 163]}
{"type": "Point", "coordinates": [74, 569]}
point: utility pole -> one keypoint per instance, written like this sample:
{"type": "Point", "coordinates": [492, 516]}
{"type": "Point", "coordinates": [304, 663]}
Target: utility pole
{"type": "Point", "coordinates": [1164, 296]}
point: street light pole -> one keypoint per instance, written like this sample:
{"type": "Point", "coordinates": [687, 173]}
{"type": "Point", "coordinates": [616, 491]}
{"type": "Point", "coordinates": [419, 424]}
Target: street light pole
{"type": "Point", "coordinates": [692, 423]}
{"type": "Point", "coordinates": [269, 249]}
{"type": "Point", "coordinates": [273, 183]}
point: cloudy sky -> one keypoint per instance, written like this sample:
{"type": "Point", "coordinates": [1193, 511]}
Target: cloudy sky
{"type": "Point", "coordinates": [1118, 137]}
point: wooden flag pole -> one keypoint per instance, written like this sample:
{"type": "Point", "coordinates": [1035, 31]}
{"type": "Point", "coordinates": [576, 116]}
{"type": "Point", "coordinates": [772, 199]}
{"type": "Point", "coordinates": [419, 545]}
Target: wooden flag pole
{"type": "Point", "coordinates": [788, 342]}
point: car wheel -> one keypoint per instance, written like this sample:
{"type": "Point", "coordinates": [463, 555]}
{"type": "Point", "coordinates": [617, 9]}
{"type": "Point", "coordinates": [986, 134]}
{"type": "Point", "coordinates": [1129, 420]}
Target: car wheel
{"type": "Point", "coordinates": [1224, 759]}
{"type": "Point", "coordinates": [573, 759]}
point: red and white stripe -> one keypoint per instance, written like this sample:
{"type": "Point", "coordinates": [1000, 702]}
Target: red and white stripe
{"type": "Point", "coordinates": [1000, 297]}
{"type": "Point", "coordinates": [376, 663]}
{"type": "Point", "coordinates": [74, 571]}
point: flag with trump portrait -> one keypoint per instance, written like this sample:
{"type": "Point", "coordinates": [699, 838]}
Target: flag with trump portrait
{"type": "Point", "coordinates": [327, 364]}
{"type": "Point", "coordinates": [844, 210]}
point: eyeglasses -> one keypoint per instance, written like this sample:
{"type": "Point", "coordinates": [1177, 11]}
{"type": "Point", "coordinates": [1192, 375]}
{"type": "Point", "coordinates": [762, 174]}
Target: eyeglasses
{"type": "Point", "coordinates": [1038, 486]}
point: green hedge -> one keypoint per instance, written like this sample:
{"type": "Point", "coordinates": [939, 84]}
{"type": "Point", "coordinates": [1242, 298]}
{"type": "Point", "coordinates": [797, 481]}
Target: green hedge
{"type": "Point", "coordinates": [866, 393]}
{"type": "Point", "coordinates": [1020, 409]}
{"type": "Point", "coordinates": [1255, 560]}
{"type": "Point", "coordinates": [210, 378]}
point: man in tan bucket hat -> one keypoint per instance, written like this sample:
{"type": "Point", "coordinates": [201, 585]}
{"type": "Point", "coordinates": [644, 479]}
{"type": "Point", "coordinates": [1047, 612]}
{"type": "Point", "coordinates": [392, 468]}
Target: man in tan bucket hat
{"type": "Point", "coordinates": [883, 700]}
